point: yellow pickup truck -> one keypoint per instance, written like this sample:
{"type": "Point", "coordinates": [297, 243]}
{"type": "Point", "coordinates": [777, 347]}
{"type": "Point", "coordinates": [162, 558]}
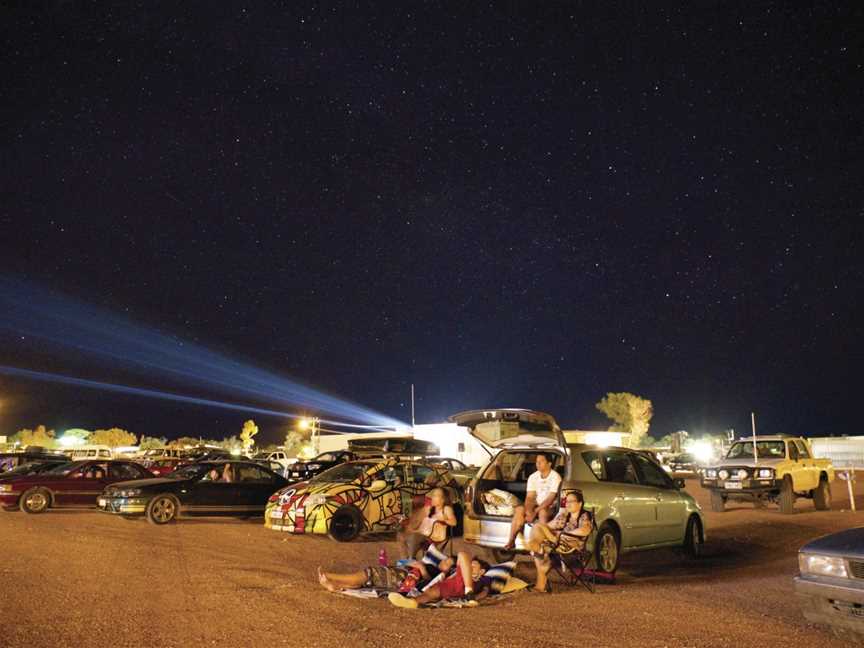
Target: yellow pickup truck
{"type": "Point", "coordinates": [781, 469]}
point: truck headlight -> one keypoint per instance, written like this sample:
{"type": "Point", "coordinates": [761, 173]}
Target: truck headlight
{"type": "Point", "coordinates": [742, 474]}
{"type": "Point", "coordinates": [710, 473]}
{"type": "Point", "coordinates": [822, 565]}
{"type": "Point", "coordinates": [765, 473]}
{"type": "Point", "coordinates": [724, 474]}
{"type": "Point", "coordinates": [316, 499]}
{"type": "Point", "coordinates": [5, 488]}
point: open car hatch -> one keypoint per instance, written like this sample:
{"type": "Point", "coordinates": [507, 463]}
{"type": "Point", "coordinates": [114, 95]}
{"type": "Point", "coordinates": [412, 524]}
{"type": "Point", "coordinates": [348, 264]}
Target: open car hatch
{"type": "Point", "coordinates": [512, 428]}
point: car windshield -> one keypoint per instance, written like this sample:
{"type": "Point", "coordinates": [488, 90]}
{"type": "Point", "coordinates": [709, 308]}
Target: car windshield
{"type": "Point", "coordinates": [327, 456]}
{"type": "Point", "coordinates": [346, 472]}
{"type": "Point", "coordinates": [764, 450]}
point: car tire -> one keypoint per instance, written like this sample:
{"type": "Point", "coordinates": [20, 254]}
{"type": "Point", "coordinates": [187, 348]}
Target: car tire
{"type": "Point", "coordinates": [718, 502]}
{"type": "Point", "coordinates": [822, 495]}
{"type": "Point", "coordinates": [502, 555]}
{"type": "Point", "coordinates": [694, 539]}
{"type": "Point", "coordinates": [346, 524]}
{"type": "Point", "coordinates": [787, 496]}
{"type": "Point", "coordinates": [607, 549]}
{"type": "Point", "coordinates": [35, 500]}
{"type": "Point", "coordinates": [162, 509]}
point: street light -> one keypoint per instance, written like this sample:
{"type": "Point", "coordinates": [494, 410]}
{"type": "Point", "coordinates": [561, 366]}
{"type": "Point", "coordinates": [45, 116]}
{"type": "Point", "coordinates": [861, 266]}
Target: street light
{"type": "Point", "coordinates": [313, 424]}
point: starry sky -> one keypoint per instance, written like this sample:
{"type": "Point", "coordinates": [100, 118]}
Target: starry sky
{"type": "Point", "coordinates": [504, 204]}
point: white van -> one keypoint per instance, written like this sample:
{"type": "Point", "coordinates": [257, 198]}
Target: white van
{"type": "Point", "coordinates": [85, 452]}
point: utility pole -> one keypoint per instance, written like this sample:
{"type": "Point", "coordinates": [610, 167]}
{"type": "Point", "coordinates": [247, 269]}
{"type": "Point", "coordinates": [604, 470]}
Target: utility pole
{"type": "Point", "coordinates": [412, 405]}
{"type": "Point", "coordinates": [753, 423]}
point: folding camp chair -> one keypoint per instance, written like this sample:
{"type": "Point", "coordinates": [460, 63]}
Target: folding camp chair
{"type": "Point", "coordinates": [571, 563]}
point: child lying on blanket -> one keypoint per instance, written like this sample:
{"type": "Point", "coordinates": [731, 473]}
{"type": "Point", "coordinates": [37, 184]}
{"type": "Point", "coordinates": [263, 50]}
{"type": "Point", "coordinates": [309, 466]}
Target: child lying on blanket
{"type": "Point", "coordinates": [389, 578]}
{"type": "Point", "coordinates": [466, 582]}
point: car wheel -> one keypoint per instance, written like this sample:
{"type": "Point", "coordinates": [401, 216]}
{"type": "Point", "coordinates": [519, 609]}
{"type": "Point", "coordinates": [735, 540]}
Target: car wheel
{"type": "Point", "coordinates": [35, 500]}
{"type": "Point", "coordinates": [502, 555]}
{"type": "Point", "coordinates": [822, 495]}
{"type": "Point", "coordinates": [787, 496]}
{"type": "Point", "coordinates": [607, 550]}
{"type": "Point", "coordinates": [694, 540]}
{"type": "Point", "coordinates": [162, 509]}
{"type": "Point", "coordinates": [718, 502]}
{"type": "Point", "coordinates": [345, 524]}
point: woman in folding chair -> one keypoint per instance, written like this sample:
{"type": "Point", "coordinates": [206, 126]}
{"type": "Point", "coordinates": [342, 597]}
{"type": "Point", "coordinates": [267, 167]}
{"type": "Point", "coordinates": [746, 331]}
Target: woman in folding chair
{"type": "Point", "coordinates": [565, 533]}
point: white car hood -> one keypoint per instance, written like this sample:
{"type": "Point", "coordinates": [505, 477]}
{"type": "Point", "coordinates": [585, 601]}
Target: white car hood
{"type": "Point", "coordinates": [747, 463]}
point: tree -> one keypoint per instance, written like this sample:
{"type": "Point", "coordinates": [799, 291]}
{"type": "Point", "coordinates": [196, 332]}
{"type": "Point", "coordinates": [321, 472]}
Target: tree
{"type": "Point", "coordinates": [112, 437]}
{"type": "Point", "coordinates": [249, 431]}
{"type": "Point", "coordinates": [293, 441]}
{"type": "Point", "coordinates": [185, 441]}
{"type": "Point", "coordinates": [229, 443]}
{"type": "Point", "coordinates": [38, 437]}
{"type": "Point", "coordinates": [630, 413]}
{"type": "Point", "coordinates": [149, 443]}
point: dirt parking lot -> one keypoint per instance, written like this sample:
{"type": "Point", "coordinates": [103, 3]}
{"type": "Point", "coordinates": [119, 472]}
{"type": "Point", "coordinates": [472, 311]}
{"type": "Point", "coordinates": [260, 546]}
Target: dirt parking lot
{"type": "Point", "coordinates": [89, 579]}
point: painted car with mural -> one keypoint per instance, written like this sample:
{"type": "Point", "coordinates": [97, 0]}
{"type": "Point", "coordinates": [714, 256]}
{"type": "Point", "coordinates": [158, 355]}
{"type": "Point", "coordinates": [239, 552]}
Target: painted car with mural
{"type": "Point", "coordinates": [358, 497]}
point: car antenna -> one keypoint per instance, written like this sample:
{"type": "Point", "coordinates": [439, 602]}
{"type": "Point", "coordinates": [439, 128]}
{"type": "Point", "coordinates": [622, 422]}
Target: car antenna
{"type": "Point", "coordinates": [753, 423]}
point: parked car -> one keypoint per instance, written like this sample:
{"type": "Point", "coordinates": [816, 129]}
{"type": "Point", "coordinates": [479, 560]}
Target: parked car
{"type": "Point", "coordinates": [635, 504]}
{"type": "Point", "coordinates": [31, 468]}
{"type": "Point", "coordinates": [75, 484]}
{"type": "Point", "coordinates": [830, 585]}
{"type": "Point", "coordinates": [357, 497]}
{"type": "Point", "coordinates": [305, 470]}
{"type": "Point", "coordinates": [784, 469]}
{"type": "Point", "coordinates": [458, 470]}
{"type": "Point", "coordinates": [278, 456]}
{"type": "Point", "coordinates": [82, 453]}
{"type": "Point", "coordinates": [12, 460]}
{"type": "Point", "coordinates": [195, 489]}
{"type": "Point", "coordinates": [155, 454]}
{"type": "Point", "coordinates": [682, 465]}
{"type": "Point", "coordinates": [162, 467]}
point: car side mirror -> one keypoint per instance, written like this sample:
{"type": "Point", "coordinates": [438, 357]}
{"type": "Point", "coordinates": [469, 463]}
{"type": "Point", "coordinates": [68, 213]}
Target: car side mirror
{"type": "Point", "coordinates": [377, 485]}
{"type": "Point", "coordinates": [680, 484]}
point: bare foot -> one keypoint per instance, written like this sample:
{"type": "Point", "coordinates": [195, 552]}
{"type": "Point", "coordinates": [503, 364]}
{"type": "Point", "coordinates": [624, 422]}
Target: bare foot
{"type": "Point", "coordinates": [326, 584]}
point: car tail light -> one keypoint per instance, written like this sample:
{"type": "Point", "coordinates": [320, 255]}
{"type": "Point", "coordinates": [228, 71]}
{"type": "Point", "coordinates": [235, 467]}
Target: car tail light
{"type": "Point", "coordinates": [273, 498]}
{"type": "Point", "coordinates": [469, 494]}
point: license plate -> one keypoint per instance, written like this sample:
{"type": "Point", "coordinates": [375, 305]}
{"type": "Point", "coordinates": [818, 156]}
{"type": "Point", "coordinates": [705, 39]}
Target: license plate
{"type": "Point", "coordinates": [295, 474]}
{"type": "Point", "coordinates": [277, 515]}
{"type": "Point", "coordinates": [732, 485]}
{"type": "Point", "coordinates": [102, 502]}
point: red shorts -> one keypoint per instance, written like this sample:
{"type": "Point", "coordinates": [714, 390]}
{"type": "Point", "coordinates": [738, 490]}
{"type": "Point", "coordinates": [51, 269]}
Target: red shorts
{"type": "Point", "coordinates": [452, 587]}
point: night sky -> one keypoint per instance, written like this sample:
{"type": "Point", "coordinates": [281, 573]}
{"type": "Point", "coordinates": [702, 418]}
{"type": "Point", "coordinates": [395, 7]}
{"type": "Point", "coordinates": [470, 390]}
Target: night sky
{"type": "Point", "coordinates": [505, 205]}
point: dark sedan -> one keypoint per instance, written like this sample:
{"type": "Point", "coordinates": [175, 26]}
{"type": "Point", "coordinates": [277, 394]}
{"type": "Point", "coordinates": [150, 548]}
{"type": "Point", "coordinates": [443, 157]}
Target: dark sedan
{"type": "Point", "coordinates": [831, 583]}
{"type": "Point", "coordinates": [225, 487]}
{"type": "Point", "coordinates": [305, 470]}
{"type": "Point", "coordinates": [75, 484]}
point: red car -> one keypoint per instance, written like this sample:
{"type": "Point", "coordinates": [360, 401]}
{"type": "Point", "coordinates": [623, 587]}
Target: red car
{"type": "Point", "coordinates": [75, 484]}
{"type": "Point", "coordinates": [162, 467]}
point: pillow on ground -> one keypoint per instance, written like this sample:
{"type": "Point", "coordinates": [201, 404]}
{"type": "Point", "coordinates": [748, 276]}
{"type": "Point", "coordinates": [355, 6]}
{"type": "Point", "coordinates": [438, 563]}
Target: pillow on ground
{"type": "Point", "coordinates": [499, 575]}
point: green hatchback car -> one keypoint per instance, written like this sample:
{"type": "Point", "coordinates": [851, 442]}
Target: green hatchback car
{"type": "Point", "coordinates": [636, 505]}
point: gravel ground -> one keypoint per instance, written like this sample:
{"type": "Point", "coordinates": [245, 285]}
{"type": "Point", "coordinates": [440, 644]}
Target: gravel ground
{"type": "Point", "coordinates": [82, 578]}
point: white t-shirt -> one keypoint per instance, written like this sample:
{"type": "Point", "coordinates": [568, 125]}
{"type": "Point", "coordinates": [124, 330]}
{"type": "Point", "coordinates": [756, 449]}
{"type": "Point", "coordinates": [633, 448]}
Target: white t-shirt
{"type": "Point", "coordinates": [543, 487]}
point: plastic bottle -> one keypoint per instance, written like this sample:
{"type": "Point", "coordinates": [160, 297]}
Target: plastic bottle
{"type": "Point", "coordinates": [382, 557]}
